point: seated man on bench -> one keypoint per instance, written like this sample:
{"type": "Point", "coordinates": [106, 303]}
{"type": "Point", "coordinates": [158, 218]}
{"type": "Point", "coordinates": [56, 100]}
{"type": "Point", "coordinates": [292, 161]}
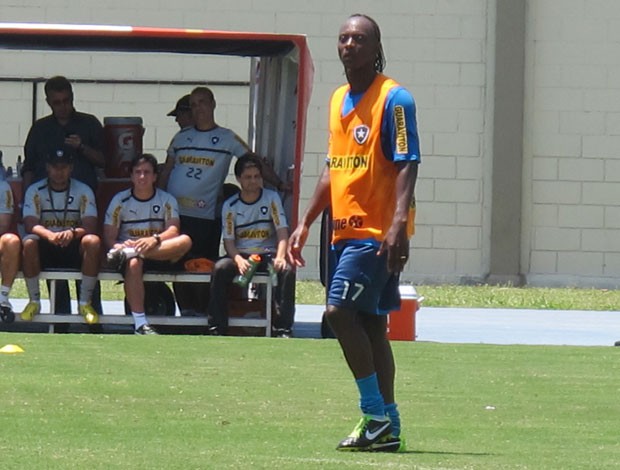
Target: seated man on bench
{"type": "Point", "coordinates": [60, 218]}
{"type": "Point", "coordinates": [253, 222]}
{"type": "Point", "coordinates": [141, 230]}
{"type": "Point", "coordinates": [10, 252]}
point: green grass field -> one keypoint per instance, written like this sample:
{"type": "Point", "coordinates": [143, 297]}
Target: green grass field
{"type": "Point", "coordinates": [487, 296]}
{"type": "Point", "coordinates": [311, 292]}
{"type": "Point", "coordinates": [186, 402]}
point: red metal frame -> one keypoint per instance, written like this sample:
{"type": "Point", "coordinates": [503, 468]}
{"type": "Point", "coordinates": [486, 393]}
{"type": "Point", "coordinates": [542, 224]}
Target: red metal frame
{"type": "Point", "coordinates": [175, 40]}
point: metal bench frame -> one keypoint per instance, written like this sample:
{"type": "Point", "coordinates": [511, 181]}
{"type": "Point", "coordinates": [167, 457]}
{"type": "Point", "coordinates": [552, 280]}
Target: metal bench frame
{"type": "Point", "coordinates": [52, 318]}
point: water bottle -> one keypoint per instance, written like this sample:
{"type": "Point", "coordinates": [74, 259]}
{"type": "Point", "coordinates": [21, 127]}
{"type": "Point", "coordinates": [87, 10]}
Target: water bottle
{"type": "Point", "coordinates": [18, 167]}
{"type": "Point", "coordinates": [242, 280]}
{"type": "Point", "coordinates": [273, 274]}
{"type": "Point", "coordinates": [2, 169]}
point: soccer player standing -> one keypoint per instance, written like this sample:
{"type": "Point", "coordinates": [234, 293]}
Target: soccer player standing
{"type": "Point", "coordinates": [369, 181]}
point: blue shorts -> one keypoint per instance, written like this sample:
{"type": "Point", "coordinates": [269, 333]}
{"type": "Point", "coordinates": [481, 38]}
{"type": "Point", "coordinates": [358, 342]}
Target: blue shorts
{"type": "Point", "coordinates": [361, 281]}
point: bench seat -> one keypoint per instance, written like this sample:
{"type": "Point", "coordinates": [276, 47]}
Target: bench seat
{"type": "Point", "coordinates": [51, 318]}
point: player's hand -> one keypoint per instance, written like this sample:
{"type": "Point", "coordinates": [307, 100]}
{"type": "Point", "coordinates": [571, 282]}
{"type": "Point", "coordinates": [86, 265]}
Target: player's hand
{"type": "Point", "coordinates": [117, 246]}
{"type": "Point", "coordinates": [54, 238]}
{"type": "Point", "coordinates": [242, 264]}
{"type": "Point", "coordinates": [67, 237]}
{"type": "Point", "coordinates": [396, 244]}
{"type": "Point", "coordinates": [279, 264]}
{"type": "Point", "coordinates": [61, 239]}
{"type": "Point", "coordinates": [145, 244]}
{"type": "Point", "coordinates": [296, 242]}
{"type": "Point", "coordinates": [74, 141]}
{"type": "Point", "coordinates": [129, 243]}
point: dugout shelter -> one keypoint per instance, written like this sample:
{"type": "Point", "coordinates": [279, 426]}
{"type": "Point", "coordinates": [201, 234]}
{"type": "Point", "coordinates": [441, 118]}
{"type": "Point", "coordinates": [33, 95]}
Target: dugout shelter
{"type": "Point", "coordinates": [280, 80]}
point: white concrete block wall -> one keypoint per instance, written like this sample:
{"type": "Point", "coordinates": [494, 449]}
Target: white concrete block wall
{"type": "Point", "coordinates": [434, 48]}
{"type": "Point", "coordinates": [572, 129]}
{"type": "Point", "coordinates": [149, 102]}
{"type": "Point", "coordinates": [440, 50]}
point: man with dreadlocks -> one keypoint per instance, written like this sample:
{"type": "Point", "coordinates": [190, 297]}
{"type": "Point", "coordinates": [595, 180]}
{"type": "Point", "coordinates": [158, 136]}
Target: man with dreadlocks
{"type": "Point", "coordinates": [369, 181]}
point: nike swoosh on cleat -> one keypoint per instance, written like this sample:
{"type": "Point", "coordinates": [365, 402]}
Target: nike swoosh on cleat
{"type": "Point", "coordinates": [385, 446]}
{"type": "Point", "coordinates": [371, 436]}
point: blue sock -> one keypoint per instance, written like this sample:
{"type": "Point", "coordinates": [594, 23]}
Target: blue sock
{"type": "Point", "coordinates": [392, 411]}
{"type": "Point", "coordinates": [371, 400]}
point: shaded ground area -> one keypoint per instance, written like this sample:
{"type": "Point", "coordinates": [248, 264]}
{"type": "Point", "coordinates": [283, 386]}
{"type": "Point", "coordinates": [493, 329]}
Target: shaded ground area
{"type": "Point", "coordinates": [445, 325]}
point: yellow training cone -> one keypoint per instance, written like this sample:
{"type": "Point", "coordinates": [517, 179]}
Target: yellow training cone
{"type": "Point", "coordinates": [11, 349]}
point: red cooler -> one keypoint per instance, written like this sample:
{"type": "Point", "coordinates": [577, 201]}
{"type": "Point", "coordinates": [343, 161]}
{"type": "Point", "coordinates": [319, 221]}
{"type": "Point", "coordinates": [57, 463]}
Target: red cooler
{"type": "Point", "coordinates": [401, 323]}
{"type": "Point", "coordinates": [123, 141]}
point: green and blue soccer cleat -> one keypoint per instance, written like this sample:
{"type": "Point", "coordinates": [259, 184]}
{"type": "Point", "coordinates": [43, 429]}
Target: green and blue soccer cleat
{"type": "Point", "coordinates": [367, 432]}
{"type": "Point", "coordinates": [389, 443]}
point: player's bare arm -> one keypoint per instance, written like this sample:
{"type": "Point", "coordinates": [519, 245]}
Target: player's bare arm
{"type": "Point", "coordinates": [396, 241]}
{"type": "Point", "coordinates": [317, 204]}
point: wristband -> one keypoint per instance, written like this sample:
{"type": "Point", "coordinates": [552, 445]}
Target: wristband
{"type": "Point", "coordinates": [157, 238]}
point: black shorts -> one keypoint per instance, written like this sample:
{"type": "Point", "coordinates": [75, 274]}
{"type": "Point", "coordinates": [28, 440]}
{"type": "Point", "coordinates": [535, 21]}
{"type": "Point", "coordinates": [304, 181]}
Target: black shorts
{"type": "Point", "coordinates": [152, 265]}
{"type": "Point", "coordinates": [54, 256]}
{"type": "Point", "coordinates": [205, 235]}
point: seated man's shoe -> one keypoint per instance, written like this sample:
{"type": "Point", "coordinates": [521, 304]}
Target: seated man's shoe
{"type": "Point", "coordinates": [32, 309]}
{"type": "Point", "coordinates": [215, 331]}
{"type": "Point", "coordinates": [145, 329]}
{"type": "Point", "coordinates": [6, 312]}
{"type": "Point", "coordinates": [283, 333]}
{"type": "Point", "coordinates": [116, 259]}
{"type": "Point", "coordinates": [367, 432]}
{"type": "Point", "coordinates": [89, 313]}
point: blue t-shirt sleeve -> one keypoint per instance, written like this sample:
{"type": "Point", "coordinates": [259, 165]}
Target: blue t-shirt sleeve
{"type": "Point", "coordinates": [399, 130]}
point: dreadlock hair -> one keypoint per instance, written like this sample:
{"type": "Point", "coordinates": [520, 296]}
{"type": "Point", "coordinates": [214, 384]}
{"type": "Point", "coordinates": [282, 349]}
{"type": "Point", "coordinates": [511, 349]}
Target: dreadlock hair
{"type": "Point", "coordinates": [380, 59]}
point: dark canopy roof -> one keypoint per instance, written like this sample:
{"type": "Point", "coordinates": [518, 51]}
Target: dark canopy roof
{"type": "Point", "coordinates": [136, 39]}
